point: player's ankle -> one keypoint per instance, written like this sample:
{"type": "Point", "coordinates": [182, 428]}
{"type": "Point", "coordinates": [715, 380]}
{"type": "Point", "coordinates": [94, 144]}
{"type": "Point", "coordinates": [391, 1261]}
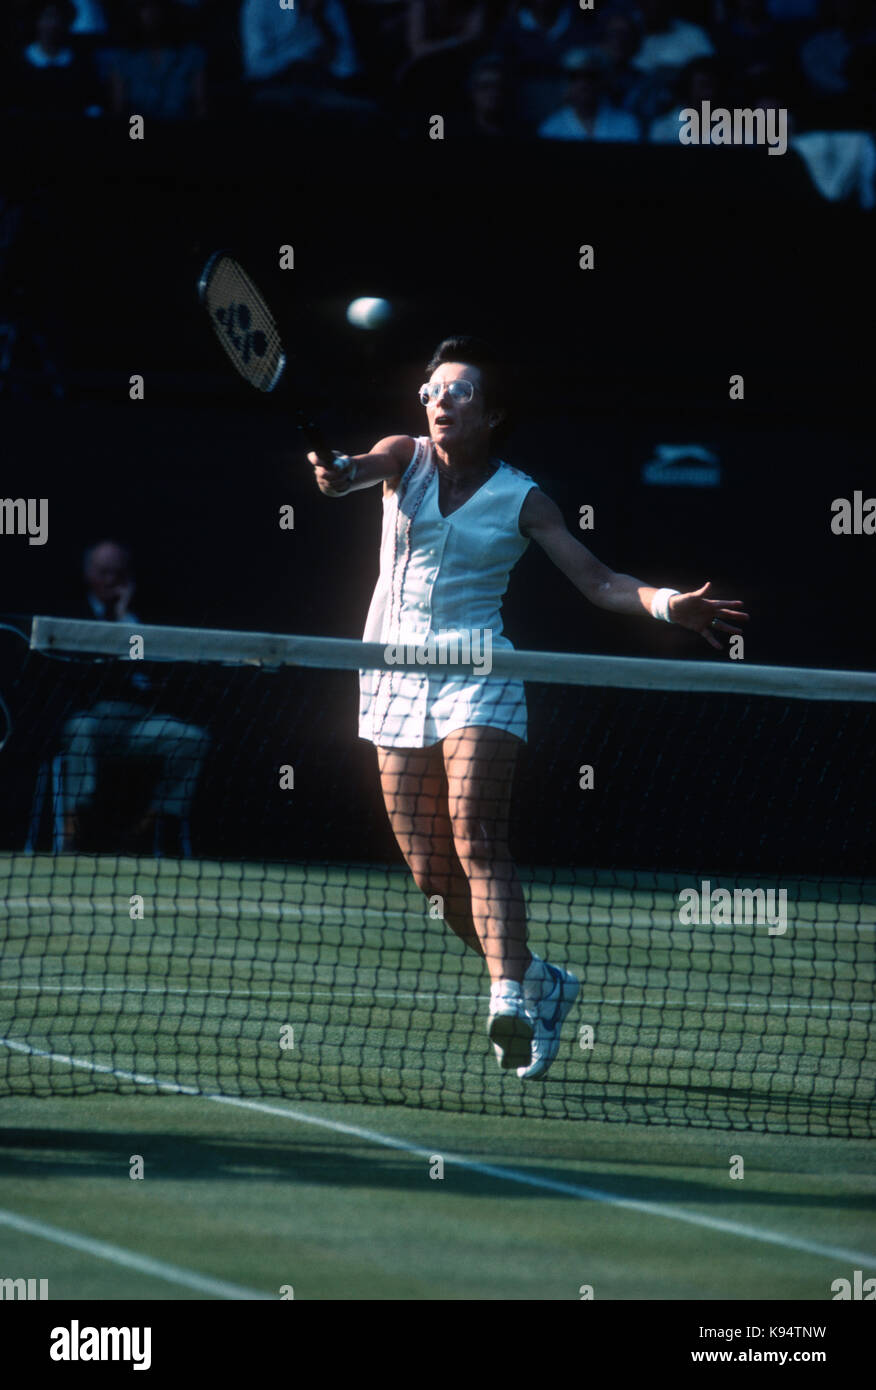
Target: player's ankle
{"type": "Point", "coordinates": [537, 978]}
{"type": "Point", "coordinates": [507, 987]}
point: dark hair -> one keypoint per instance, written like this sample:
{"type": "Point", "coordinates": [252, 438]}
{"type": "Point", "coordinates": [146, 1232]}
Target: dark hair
{"type": "Point", "coordinates": [474, 352]}
{"type": "Point", "coordinates": [495, 375]}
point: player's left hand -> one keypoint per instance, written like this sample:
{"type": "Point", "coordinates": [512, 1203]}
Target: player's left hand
{"type": "Point", "coordinates": [707, 616]}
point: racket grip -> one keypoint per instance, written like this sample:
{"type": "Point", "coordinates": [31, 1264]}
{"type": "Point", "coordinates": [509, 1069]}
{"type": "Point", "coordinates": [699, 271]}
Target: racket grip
{"type": "Point", "coordinates": [313, 436]}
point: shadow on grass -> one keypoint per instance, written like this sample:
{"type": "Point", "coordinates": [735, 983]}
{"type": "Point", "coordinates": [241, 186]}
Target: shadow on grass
{"type": "Point", "coordinates": [35, 1154]}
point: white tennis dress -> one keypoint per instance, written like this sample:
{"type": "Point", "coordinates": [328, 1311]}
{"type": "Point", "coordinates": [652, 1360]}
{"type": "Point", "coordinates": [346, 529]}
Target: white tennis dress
{"type": "Point", "coordinates": [442, 575]}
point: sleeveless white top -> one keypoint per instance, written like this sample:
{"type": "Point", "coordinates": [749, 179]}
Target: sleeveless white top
{"type": "Point", "coordinates": [439, 577]}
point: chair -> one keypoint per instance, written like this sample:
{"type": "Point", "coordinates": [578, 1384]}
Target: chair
{"type": "Point", "coordinates": [50, 785]}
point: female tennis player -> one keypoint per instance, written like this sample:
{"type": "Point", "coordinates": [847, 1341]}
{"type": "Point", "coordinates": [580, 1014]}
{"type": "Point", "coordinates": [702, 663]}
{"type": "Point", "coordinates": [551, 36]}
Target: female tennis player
{"type": "Point", "coordinates": [456, 519]}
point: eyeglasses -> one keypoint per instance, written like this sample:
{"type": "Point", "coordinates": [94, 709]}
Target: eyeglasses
{"type": "Point", "coordinates": [459, 390]}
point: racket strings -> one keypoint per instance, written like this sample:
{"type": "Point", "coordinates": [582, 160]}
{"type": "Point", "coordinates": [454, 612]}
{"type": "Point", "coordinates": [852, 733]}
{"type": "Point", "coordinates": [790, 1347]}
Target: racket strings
{"type": "Point", "coordinates": [244, 325]}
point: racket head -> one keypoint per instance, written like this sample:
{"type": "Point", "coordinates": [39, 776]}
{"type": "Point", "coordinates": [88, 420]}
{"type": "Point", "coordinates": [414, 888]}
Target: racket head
{"type": "Point", "coordinates": [242, 321]}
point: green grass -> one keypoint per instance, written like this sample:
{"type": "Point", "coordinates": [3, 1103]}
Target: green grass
{"type": "Point", "coordinates": [725, 1026]}
{"type": "Point", "coordinates": [264, 1201]}
{"type": "Point", "coordinates": [709, 1033]}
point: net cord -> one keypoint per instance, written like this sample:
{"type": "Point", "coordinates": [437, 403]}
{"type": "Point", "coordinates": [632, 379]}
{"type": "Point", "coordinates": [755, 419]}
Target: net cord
{"type": "Point", "coordinates": [74, 638]}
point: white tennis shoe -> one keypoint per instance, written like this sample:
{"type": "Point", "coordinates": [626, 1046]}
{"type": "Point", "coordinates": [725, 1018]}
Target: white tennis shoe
{"type": "Point", "coordinates": [510, 1026]}
{"type": "Point", "coordinates": [561, 988]}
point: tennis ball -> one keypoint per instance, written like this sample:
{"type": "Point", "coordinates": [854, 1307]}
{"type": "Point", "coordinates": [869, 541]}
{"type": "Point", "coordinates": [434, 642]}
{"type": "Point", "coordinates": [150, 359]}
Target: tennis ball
{"type": "Point", "coordinates": [368, 313]}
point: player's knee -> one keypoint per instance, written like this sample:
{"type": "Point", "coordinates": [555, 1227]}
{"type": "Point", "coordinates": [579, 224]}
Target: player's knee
{"type": "Point", "coordinates": [477, 844]}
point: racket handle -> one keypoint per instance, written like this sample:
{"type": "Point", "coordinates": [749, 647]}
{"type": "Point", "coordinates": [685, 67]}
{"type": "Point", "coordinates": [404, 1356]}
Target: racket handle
{"type": "Point", "coordinates": [312, 435]}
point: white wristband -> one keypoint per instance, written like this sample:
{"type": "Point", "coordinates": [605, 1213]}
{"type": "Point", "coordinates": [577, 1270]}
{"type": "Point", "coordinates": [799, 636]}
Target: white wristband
{"type": "Point", "coordinates": [660, 604]}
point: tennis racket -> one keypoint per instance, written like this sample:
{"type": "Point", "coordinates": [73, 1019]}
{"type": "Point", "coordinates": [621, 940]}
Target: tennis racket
{"type": "Point", "coordinates": [248, 332]}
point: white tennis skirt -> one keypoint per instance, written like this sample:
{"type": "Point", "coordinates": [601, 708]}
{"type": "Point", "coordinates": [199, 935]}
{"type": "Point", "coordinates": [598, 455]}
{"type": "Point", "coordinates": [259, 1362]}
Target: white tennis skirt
{"type": "Point", "coordinates": [403, 709]}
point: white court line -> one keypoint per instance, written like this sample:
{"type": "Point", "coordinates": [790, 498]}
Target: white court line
{"type": "Point", "coordinates": [285, 992]}
{"type": "Point", "coordinates": [490, 1170]}
{"type": "Point", "coordinates": [128, 1259]}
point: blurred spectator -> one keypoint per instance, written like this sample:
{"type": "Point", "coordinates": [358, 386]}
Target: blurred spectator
{"type": "Point", "coordinates": [841, 164]}
{"type": "Point", "coordinates": [440, 26]}
{"type": "Point", "coordinates": [123, 722]}
{"type": "Point", "coordinates": [316, 32]}
{"type": "Point", "coordinates": [493, 68]}
{"type": "Point", "coordinates": [300, 58]}
{"type": "Point", "coordinates": [620, 36]}
{"type": "Point", "coordinates": [441, 39]}
{"type": "Point", "coordinates": [700, 80]}
{"type": "Point", "coordinates": [90, 17]}
{"type": "Point", "coordinates": [668, 42]}
{"type": "Point", "coordinates": [52, 77]}
{"type": "Point", "coordinates": [750, 41]}
{"type": "Point", "coordinates": [834, 57]}
{"type": "Point", "coordinates": [380, 37]}
{"type": "Point", "coordinates": [765, 93]}
{"type": "Point", "coordinates": [537, 33]}
{"type": "Point", "coordinates": [643, 94]}
{"type": "Point", "coordinates": [534, 39]}
{"type": "Point", "coordinates": [490, 112]}
{"type": "Point", "coordinates": [156, 75]}
{"type": "Point", "coordinates": [587, 115]}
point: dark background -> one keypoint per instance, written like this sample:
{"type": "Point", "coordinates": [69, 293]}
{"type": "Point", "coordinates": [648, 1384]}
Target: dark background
{"type": "Point", "coordinates": [705, 267]}
{"type": "Point", "coordinates": [708, 263]}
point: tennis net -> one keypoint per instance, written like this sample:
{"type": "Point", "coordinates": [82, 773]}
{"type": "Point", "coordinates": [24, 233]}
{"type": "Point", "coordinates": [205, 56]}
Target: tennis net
{"type": "Point", "coordinates": [693, 839]}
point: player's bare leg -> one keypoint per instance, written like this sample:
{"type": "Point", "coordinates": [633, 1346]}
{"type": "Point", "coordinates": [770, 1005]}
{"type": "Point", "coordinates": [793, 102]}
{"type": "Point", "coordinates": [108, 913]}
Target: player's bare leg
{"type": "Point", "coordinates": [414, 788]}
{"type": "Point", "coordinates": [529, 998]}
{"type": "Point", "coordinates": [478, 891]}
{"type": "Point", "coordinates": [479, 763]}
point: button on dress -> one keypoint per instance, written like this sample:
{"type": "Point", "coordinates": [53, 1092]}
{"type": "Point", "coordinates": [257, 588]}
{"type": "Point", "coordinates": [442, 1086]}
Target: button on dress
{"type": "Point", "coordinates": [441, 576]}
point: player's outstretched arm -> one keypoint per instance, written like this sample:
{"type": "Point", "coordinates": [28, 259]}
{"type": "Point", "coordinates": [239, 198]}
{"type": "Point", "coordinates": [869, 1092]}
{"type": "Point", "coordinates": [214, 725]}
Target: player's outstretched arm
{"type": "Point", "coordinates": [385, 463]}
{"type": "Point", "coordinates": [542, 520]}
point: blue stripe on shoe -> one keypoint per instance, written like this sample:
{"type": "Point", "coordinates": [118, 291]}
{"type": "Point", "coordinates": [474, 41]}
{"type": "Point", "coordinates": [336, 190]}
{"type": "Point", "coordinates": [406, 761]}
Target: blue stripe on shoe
{"type": "Point", "coordinates": [557, 974]}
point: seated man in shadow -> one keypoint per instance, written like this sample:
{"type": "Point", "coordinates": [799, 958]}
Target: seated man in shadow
{"type": "Point", "coordinates": [123, 723]}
